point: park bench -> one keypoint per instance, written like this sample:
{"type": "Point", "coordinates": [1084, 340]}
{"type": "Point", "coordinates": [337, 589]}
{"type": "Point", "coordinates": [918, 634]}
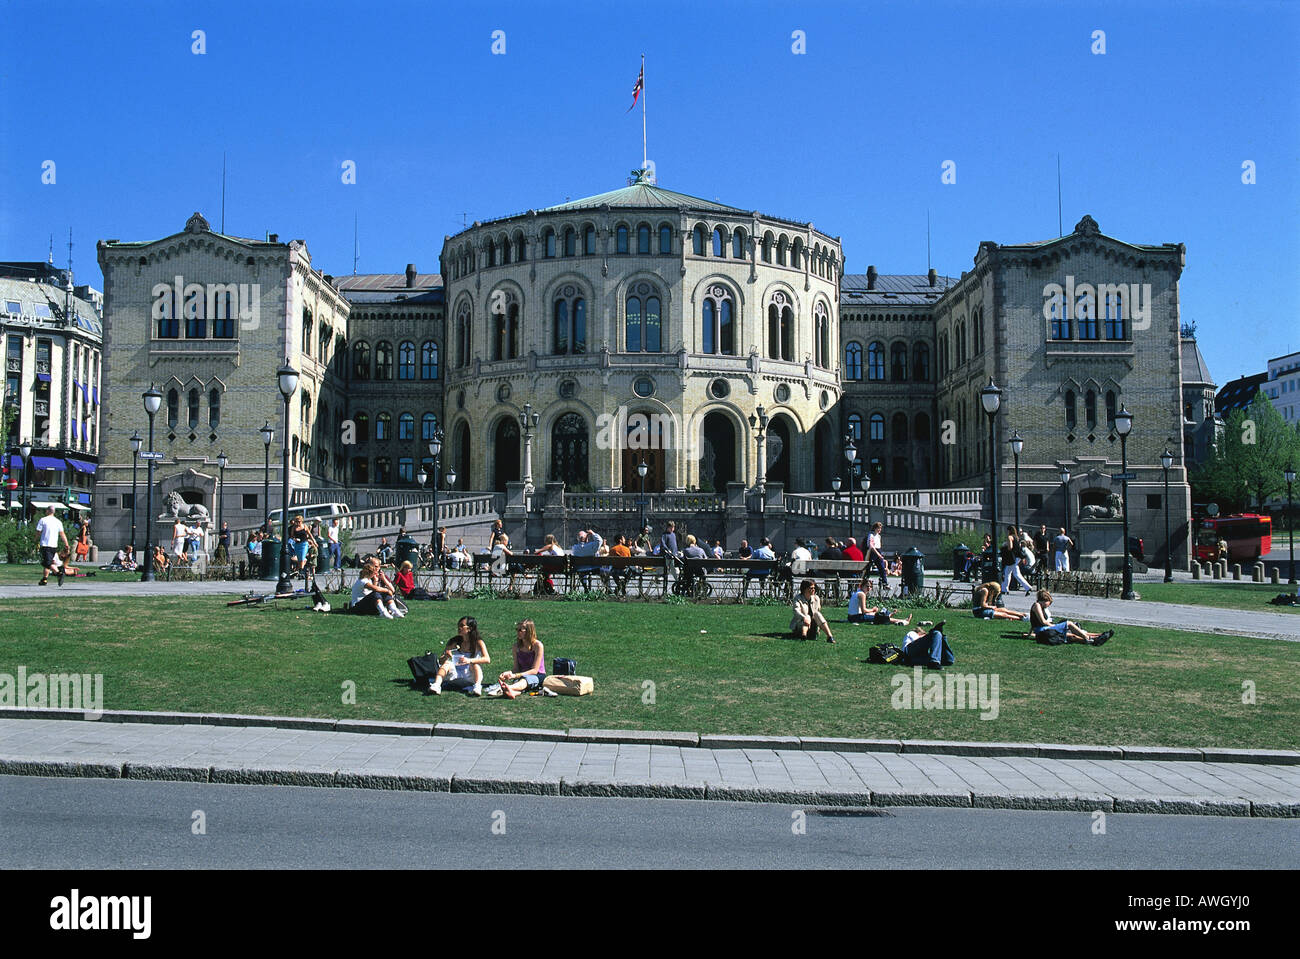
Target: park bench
{"type": "Point", "coordinates": [771, 579]}
{"type": "Point", "coordinates": [577, 571]}
{"type": "Point", "coordinates": [830, 571]}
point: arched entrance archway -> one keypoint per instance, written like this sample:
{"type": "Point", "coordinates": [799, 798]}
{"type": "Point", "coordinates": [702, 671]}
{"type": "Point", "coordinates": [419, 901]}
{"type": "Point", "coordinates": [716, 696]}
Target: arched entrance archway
{"type": "Point", "coordinates": [570, 450]}
{"type": "Point", "coordinates": [717, 453]}
{"type": "Point", "coordinates": [649, 434]}
{"type": "Point", "coordinates": [461, 456]}
{"type": "Point", "coordinates": [505, 453]}
{"type": "Point", "coordinates": [779, 450]}
{"type": "Point", "coordinates": [826, 451]}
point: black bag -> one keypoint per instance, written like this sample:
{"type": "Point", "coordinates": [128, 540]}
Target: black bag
{"type": "Point", "coordinates": [563, 667]}
{"type": "Point", "coordinates": [423, 668]}
{"type": "Point", "coordinates": [885, 653]}
{"type": "Point", "coordinates": [882, 617]}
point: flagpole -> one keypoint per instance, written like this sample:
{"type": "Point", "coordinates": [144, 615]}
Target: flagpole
{"type": "Point", "coordinates": [644, 161]}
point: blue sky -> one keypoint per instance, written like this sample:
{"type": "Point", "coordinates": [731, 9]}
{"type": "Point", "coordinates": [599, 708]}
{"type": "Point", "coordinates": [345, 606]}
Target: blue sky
{"type": "Point", "coordinates": [851, 134]}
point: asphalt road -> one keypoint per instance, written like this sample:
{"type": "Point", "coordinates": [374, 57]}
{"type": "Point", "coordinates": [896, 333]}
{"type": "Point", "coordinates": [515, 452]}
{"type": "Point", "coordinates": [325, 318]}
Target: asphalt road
{"type": "Point", "coordinates": [120, 824]}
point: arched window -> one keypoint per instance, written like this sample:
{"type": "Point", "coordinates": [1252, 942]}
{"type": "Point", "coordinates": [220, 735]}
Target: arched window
{"type": "Point", "coordinates": [428, 426]}
{"type": "Point", "coordinates": [304, 417]}
{"type": "Point", "coordinates": [781, 246]}
{"type": "Point", "coordinates": [196, 326]}
{"type": "Point", "coordinates": [643, 238]}
{"type": "Point", "coordinates": [1059, 325]}
{"type": "Point", "coordinates": [549, 239]}
{"type": "Point", "coordinates": [738, 244]}
{"type": "Point", "coordinates": [406, 360]}
{"type": "Point", "coordinates": [491, 252]}
{"type": "Point", "coordinates": [922, 426]}
{"type": "Point", "coordinates": [521, 248]}
{"type": "Point", "coordinates": [780, 327]}
{"type": "Point", "coordinates": [383, 427]}
{"type": "Point", "coordinates": [383, 360]}
{"type": "Point", "coordinates": [1111, 409]}
{"type": "Point", "coordinates": [796, 253]}
{"type": "Point", "coordinates": [697, 241]}
{"type": "Point", "coordinates": [1090, 409]}
{"type": "Point", "coordinates": [719, 247]}
{"type": "Point", "coordinates": [876, 361]}
{"type": "Point", "coordinates": [173, 409]}
{"type": "Point", "coordinates": [505, 251]}
{"type": "Point", "coordinates": [620, 239]}
{"type": "Point", "coordinates": [362, 422]}
{"type": "Point", "coordinates": [383, 470]}
{"type": "Point", "coordinates": [166, 312]}
{"type": "Point", "coordinates": [463, 331]}
{"type": "Point", "coordinates": [589, 240]}
{"type": "Point", "coordinates": [1085, 311]}
{"type": "Point", "coordinates": [959, 341]}
{"type": "Point", "coordinates": [767, 248]}
{"type": "Point", "coordinates": [921, 363]}
{"type": "Point", "coordinates": [570, 241]}
{"type": "Point", "coordinates": [943, 355]}
{"type": "Point", "coordinates": [898, 426]}
{"type": "Point", "coordinates": [569, 323]}
{"type": "Point", "coordinates": [323, 345]}
{"type": "Point", "coordinates": [214, 408]}
{"type": "Point", "coordinates": [877, 427]}
{"type": "Point", "coordinates": [1116, 327]}
{"type": "Point", "coordinates": [428, 360]}
{"type": "Point", "coordinates": [853, 361]}
{"type": "Point", "coordinates": [406, 427]}
{"type": "Point", "coordinates": [822, 325]}
{"type": "Point", "coordinates": [898, 362]}
{"type": "Point", "coordinates": [855, 427]}
{"type": "Point", "coordinates": [194, 409]}
{"type": "Point", "coordinates": [632, 328]}
{"type": "Point", "coordinates": [1071, 413]}
{"type": "Point", "coordinates": [718, 331]}
{"type": "Point", "coordinates": [977, 332]}
{"type": "Point", "coordinates": [306, 331]}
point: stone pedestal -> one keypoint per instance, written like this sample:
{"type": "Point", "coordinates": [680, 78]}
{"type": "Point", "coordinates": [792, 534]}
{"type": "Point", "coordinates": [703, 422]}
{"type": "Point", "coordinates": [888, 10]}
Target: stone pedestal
{"type": "Point", "coordinates": [1101, 545]}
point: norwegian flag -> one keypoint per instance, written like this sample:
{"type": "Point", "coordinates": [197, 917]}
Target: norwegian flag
{"type": "Point", "coordinates": [636, 90]}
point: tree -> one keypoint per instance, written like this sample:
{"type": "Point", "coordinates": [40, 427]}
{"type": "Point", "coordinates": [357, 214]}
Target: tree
{"type": "Point", "coordinates": [1248, 461]}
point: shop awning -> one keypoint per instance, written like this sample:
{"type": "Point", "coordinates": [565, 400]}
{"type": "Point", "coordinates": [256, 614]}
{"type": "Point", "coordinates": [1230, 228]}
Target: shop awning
{"type": "Point", "coordinates": [45, 504]}
{"type": "Point", "coordinates": [43, 377]}
{"type": "Point", "coordinates": [48, 463]}
{"type": "Point", "coordinates": [81, 466]}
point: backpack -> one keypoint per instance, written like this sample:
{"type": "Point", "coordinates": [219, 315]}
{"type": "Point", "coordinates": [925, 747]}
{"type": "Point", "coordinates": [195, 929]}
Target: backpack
{"type": "Point", "coordinates": [882, 617]}
{"type": "Point", "coordinates": [423, 669]}
{"type": "Point", "coordinates": [563, 667]}
{"type": "Point", "coordinates": [885, 653]}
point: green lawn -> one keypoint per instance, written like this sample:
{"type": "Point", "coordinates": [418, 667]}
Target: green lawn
{"type": "Point", "coordinates": [1254, 596]}
{"type": "Point", "coordinates": [29, 573]}
{"type": "Point", "coordinates": [725, 669]}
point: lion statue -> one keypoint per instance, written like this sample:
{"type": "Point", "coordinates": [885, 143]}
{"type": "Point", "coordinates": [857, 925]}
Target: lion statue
{"type": "Point", "coordinates": [1113, 509]}
{"type": "Point", "coordinates": [179, 509]}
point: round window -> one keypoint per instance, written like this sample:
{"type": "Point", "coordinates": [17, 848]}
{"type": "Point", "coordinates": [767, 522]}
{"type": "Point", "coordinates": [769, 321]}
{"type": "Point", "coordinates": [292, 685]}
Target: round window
{"type": "Point", "coordinates": [644, 386]}
{"type": "Point", "coordinates": [782, 393]}
{"type": "Point", "coordinates": [720, 389]}
{"type": "Point", "coordinates": [567, 389]}
{"type": "Point", "coordinates": [503, 392]}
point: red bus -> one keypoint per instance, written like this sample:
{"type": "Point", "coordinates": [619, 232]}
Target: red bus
{"type": "Point", "coordinates": [1249, 536]}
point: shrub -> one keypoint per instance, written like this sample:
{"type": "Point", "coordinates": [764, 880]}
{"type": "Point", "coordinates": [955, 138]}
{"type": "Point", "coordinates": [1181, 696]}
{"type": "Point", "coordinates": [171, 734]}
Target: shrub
{"type": "Point", "coordinates": [20, 545]}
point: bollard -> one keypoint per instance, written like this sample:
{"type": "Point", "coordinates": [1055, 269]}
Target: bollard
{"type": "Point", "coordinates": [1223, 569]}
{"type": "Point", "coordinates": [1217, 570]}
{"type": "Point", "coordinates": [1275, 576]}
{"type": "Point", "coordinates": [1196, 571]}
{"type": "Point", "coordinates": [1257, 573]}
{"type": "Point", "coordinates": [1236, 571]}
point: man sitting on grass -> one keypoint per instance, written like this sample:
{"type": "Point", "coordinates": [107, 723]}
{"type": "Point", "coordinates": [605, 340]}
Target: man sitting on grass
{"type": "Point", "coordinates": [1045, 631]}
{"type": "Point", "coordinates": [860, 612]}
{"type": "Point", "coordinates": [985, 603]}
{"type": "Point", "coordinates": [927, 647]}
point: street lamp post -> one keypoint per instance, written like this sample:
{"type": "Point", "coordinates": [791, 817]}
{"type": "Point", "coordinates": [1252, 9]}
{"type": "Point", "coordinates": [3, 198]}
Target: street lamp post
{"type": "Point", "coordinates": [25, 448]}
{"type": "Point", "coordinates": [1123, 426]}
{"type": "Point", "coordinates": [222, 461]}
{"type": "Point", "coordinates": [1065, 506]}
{"type": "Point", "coordinates": [641, 469]}
{"type": "Point", "coordinates": [268, 435]}
{"type": "Point", "coordinates": [865, 483]}
{"type": "Point", "coordinates": [287, 379]}
{"type": "Point", "coordinates": [1017, 447]}
{"type": "Point", "coordinates": [435, 450]}
{"type": "Point", "coordinates": [850, 454]}
{"type": "Point", "coordinates": [528, 421]}
{"type": "Point", "coordinates": [136, 440]}
{"type": "Point", "coordinates": [835, 485]}
{"type": "Point", "coordinates": [758, 421]}
{"type": "Point", "coordinates": [991, 400]}
{"type": "Point", "coordinates": [1289, 476]}
{"type": "Point", "coordinates": [1166, 461]}
{"type": "Point", "coordinates": [152, 400]}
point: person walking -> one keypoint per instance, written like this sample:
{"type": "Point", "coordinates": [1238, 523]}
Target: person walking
{"type": "Point", "coordinates": [1011, 562]}
{"type": "Point", "coordinates": [50, 531]}
{"type": "Point", "coordinates": [333, 549]}
{"type": "Point", "coordinates": [1062, 544]}
{"type": "Point", "coordinates": [876, 553]}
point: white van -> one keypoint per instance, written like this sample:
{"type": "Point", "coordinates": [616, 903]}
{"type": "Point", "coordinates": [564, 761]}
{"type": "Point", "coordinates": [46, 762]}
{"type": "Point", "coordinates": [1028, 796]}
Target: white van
{"type": "Point", "coordinates": [321, 511]}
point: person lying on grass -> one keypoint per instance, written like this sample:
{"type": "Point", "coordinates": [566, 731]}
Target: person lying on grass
{"type": "Point", "coordinates": [808, 618]}
{"type": "Point", "coordinates": [530, 662]}
{"type": "Point", "coordinates": [1055, 634]}
{"type": "Point", "coordinates": [985, 600]}
{"type": "Point", "coordinates": [462, 661]}
{"type": "Point", "coordinates": [860, 612]}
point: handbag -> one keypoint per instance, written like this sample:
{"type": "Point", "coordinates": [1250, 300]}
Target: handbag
{"type": "Point", "coordinates": [563, 667]}
{"type": "Point", "coordinates": [423, 669]}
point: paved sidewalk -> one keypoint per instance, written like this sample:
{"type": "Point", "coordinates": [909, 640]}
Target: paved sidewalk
{"type": "Point", "coordinates": [763, 771]}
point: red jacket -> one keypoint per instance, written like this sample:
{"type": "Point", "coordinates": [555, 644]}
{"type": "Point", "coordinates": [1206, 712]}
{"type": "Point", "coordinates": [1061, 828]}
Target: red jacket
{"type": "Point", "coordinates": [851, 552]}
{"type": "Point", "coordinates": [405, 582]}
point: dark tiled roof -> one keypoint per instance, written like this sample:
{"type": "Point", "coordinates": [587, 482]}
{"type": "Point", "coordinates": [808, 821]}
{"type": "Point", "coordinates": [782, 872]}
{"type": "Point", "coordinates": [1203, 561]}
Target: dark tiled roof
{"type": "Point", "coordinates": [1195, 369]}
{"type": "Point", "coordinates": [904, 289]}
{"type": "Point", "coordinates": [1238, 394]}
{"type": "Point", "coordinates": [387, 282]}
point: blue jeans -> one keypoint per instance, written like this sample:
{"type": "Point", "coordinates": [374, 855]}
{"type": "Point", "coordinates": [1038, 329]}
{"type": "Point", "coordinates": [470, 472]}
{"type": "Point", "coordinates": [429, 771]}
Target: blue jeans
{"type": "Point", "coordinates": [930, 650]}
{"type": "Point", "coordinates": [335, 553]}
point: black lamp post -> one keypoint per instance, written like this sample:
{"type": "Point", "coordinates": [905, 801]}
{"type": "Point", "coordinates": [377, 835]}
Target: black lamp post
{"type": "Point", "coordinates": [435, 450]}
{"type": "Point", "coordinates": [1289, 475]}
{"type": "Point", "coordinates": [136, 440]}
{"type": "Point", "coordinates": [835, 485]}
{"type": "Point", "coordinates": [850, 454]}
{"type": "Point", "coordinates": [991, 400]}
{"type": "Point", "coordinates": [152, 400]}
{"type": "Point", "coordinates": [25, 448]}
{"type": "Point", "coordinates": [268, 435]}
{"type": "Point", "coordinates": [1065, 506]}
{"type": "Point", "coordinates": [758, 421]}
{"type": "Point", "coordinates": [1123, 426]}
{"type": "Point", "coordinates": [865, 483]}
{"type": "Point", "coordinates": [1166, 461]}
{"type": "Point", "coordinates": [287, 378]}
{"type": "Point", "coordinates": [1017, 447]}
{"type": "Point", "coordinates": [222, 461]}
{"type": "Point", "coordinates": [641, 469]}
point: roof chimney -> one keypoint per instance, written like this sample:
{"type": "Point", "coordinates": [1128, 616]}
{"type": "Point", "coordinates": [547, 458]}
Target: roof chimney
{"type": "Point", "coordinates": [410, 275]}
{"type": "Point", "coordinates": [273, 238]}
{"type": "Point", "coordinates": [871, 278]}
{"type": "Point", "coordinates": [934, 276]}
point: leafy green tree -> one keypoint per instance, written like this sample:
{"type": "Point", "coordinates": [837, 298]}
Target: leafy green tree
{"type": "Point", "coordinates": [1248, 460]}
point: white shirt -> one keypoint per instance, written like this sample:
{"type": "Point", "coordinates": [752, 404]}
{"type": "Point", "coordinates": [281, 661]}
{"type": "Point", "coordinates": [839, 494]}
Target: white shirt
{"type": "Point", "coordinates": [873, 541]}
{"type": "Point", "coordinates": [333, 532]}
{"type": "Point", "coordinates": [800, 552]}
{"type": "Point", "coordinates": [49, 528]}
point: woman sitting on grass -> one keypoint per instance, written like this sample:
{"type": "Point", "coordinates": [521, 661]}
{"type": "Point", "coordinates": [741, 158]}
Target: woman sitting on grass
{"type": "Point", "coordinates": [404, 580]}
{"type": "Point", "coordinates": [371, 594]}
{"type": "Point", "coordinates": [462, 661]}
{"type": "Point", "coordinates": [530, 663]}
{"type": "Point", "coordinates": [808, 618]}
{"type": "Point", "coordinates": [1045, 631]}
{"type": "Point", "coordinates": [985, 603]}
{"type": "Point", "coordinates": [860, 612]}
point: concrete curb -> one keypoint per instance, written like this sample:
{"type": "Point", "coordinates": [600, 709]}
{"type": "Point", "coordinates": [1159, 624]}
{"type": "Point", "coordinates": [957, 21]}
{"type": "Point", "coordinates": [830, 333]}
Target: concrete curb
{"type": "Point", "coordinates": [1276, 757]}
{"type": "Point", "coordinates": [631, 789]}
